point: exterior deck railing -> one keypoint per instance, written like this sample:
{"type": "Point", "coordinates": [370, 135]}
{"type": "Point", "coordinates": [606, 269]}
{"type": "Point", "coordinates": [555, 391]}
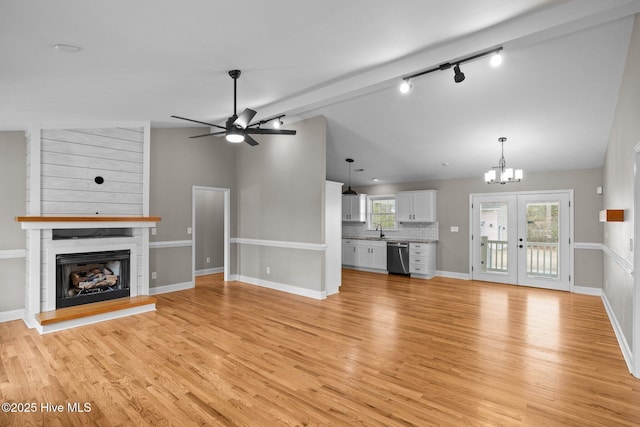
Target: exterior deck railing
{"type": "Point", "coordinates": [542, 257]}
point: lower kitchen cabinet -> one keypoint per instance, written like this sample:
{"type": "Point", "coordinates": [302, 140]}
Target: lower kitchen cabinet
{"type": "Point", "coordinates": [422, 259]}
{"type": "Point", "coordinates": [349, 248]}
{"type": "Point", "coordinates": [372, 254]}
{"type": "Point", "coordinates": [364, 253]}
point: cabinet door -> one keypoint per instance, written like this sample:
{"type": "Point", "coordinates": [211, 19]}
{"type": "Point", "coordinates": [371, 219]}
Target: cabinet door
{"type": "Point", "coordinates": [379, 257]}
{"type": "Point", "coordinates": [346, 208]}
{"type": "Point", "coordinates": [349, 251]}
{"type": "Point", "coordinates": [424, 206]}
{"type": "Point", "coordinates": [354, 208]}
{"type": "Point", "coordinates": [404, 207]}
{"type": "Point", "coordinates": [363, 256]}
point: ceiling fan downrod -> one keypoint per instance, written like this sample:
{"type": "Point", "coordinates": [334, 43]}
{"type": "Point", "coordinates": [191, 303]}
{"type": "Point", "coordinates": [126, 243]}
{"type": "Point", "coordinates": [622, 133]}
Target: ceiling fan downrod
{"type": "Point", "coordinates": [234, 75]}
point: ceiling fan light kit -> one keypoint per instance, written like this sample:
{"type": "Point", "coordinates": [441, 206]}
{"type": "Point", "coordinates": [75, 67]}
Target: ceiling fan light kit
{"type": "Point", "coordinates": [458, 76]}
{"type": "Point", "coordinates": [238, 128]}
{"type": "Point", "coordinates": [507, 175]}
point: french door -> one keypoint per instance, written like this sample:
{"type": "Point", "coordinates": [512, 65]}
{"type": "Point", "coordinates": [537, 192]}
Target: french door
{"type": "Point", "coordinates": [522, 239]}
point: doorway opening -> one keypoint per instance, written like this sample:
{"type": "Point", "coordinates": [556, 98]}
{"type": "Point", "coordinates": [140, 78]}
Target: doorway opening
{"type": "Point", "coordinates": [211, 231]}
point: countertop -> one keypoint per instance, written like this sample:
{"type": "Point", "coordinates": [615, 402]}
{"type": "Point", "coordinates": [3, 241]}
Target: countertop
{"type": "Point", "coordinates": [391, 239]}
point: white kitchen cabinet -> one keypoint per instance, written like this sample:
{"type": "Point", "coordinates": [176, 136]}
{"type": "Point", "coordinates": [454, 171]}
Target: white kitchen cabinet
{"type": "Point", "coordinates": [364, 253]}
{"type": "Point", "coordinates": [371, 254]}
{"type": "Point", "coordinates": [354, 208]}
{"type": "Point", "coordinates": [416, 206]}
{"type": "Point", "coordinates": [349, 251]}
{"type": "Point", "coordinates": [422, 259]}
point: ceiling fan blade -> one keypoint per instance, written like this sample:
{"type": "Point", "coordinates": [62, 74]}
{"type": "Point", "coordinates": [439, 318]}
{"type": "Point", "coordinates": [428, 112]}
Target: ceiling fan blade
{"type": "Point", "coordinates": [249, 140]}
{"type": "Point", "coordinates": [244, 118]}
{"type": "Point", "coordinates": [197, 121]}
{"type": "Point", "coordinates": [209, 134]}
{"type": "Point", "coordinates": [261, 131]}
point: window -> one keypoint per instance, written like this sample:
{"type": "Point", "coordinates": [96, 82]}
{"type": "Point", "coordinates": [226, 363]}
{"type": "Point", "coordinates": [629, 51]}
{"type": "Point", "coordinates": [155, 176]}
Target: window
{"type": "Point", "coordinates": [382, 211]}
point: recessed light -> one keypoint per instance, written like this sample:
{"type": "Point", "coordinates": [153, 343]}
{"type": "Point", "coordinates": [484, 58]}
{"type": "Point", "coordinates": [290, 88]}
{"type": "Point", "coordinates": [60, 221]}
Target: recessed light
{"type": "Point", "coordinates": [66, 48]}
{"type": "Point", "coordinates": [375, 180]}
{"type": "Point", "coordinates": [445, 163]}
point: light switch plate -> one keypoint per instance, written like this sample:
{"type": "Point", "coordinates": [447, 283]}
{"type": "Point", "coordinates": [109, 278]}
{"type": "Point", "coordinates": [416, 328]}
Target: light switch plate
{"type": "Point", "coordinates": [454, 229]}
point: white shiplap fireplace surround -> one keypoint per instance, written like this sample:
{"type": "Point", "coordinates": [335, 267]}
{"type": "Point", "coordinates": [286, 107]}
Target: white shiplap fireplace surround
{"type": "Point", "coordinates": [79, 178]}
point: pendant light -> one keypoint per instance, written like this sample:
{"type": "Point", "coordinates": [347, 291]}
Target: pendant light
{"type": "Point", "coordinates": [349, 191]}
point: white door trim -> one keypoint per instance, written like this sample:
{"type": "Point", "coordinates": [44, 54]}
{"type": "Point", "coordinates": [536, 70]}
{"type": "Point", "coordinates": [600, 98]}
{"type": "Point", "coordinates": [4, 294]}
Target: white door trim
{"type": "Point", "coordinates": [227, 230]}
{"type": "Point", "coordinates": [517, 193]}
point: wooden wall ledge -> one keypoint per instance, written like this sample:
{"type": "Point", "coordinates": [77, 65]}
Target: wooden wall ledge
{"type": "Point", "coordinates": [88, 218]}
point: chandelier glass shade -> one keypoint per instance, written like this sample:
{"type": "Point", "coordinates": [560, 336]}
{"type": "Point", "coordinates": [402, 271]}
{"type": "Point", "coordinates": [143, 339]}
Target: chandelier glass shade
{"type": "Point", "coordinates": [501, 174]}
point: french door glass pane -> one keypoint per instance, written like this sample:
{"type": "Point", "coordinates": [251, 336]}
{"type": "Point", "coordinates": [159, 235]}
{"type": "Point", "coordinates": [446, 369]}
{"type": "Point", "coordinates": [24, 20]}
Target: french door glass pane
{"type": "Point", "coordinates": [493, 235]}
{"type": "Point", "coordinates": [543, 223]}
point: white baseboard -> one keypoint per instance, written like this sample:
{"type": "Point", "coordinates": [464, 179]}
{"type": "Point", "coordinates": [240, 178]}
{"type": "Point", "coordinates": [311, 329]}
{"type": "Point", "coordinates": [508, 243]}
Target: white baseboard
{"type": "Point", "coordinates": [171, 288]}
{"type": "Point", "coordinates": [8, 316]}
{"type": "Point", "coordinates": [617, 329]}
{"type": "Point", "coordinates": [282, 287]}
{"type": "Point", "coordinates": [585, 290]}
{"type": "Point", "coordinates": [453, 275]}
{"type": "Point", "coordinates": [206, 271]}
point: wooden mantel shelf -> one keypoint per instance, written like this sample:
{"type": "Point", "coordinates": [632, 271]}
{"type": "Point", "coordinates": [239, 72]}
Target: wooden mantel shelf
{"type": "Point", "coordinates": [98, 221]}
{"type": "Point", "coordinates": [88, 218]}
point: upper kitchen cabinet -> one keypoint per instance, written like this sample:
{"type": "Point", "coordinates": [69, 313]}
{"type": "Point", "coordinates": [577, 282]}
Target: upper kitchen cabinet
{"type": "Point", "coordinates": [416, 206]}
{"type": "Point", "coordinates": [354, 208]}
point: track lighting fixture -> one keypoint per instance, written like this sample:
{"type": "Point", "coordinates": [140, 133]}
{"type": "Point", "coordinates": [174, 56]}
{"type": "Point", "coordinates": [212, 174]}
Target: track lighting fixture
{"type": "Point", "coordinates": [459, 76]}
{"type": "Point", "coordinates": [277, 121]}
{"type": "Point", "coordinates": [405, 86]}
{"type": "Point", "coordinates": [496, 59]}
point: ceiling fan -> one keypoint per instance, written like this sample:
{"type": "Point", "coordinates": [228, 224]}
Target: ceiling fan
{"type": "Point", "coordinates": [239, 128]}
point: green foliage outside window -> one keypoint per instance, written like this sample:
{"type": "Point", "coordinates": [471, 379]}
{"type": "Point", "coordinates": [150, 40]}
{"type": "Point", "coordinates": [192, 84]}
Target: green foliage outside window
{"type": "Point", "coordinates": [383, 212]}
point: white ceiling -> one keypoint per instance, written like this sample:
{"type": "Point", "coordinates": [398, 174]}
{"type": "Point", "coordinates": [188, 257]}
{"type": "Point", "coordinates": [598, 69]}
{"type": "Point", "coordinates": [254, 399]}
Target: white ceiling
{"type": "Point", "coordinates": [553, 98]}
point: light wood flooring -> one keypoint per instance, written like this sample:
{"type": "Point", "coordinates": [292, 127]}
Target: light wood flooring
{"type": "Point", "coordinates": [386, 351]}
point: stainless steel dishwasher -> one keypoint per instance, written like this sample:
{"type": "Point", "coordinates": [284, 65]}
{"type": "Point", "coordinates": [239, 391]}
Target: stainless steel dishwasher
{"type": "Point", "coordinates": [398, 257]}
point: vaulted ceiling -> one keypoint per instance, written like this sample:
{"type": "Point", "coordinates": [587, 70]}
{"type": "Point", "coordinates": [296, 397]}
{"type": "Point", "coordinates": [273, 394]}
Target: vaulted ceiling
{"type": "Point", "coordinates": [553, 97]}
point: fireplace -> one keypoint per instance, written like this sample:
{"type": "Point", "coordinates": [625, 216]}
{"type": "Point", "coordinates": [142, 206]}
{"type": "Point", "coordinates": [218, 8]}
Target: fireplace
{"type": "Point", "coordinates": [87, 277]}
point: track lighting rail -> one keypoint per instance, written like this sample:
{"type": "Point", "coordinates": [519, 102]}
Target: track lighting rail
{"type": "Point", "coordinates": [448, 65]}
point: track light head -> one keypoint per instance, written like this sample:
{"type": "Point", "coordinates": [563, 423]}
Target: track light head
{"type": "Point", "coordinates": [277, 123]}
{"type": "Point", "coordinates": [459, 75]}
{"type": "Point", "coordinates": [496, 59]}
{"type": "Point", "coordinates": [405, 86]}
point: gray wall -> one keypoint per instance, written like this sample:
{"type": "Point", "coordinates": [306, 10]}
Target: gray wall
{"type": "Point", "coordinates": [177, 164]}
{"type": "Point", "coordinates": [619, 190]}
{"type": "Point", "coordinates": [13, 203]}
{"type": "Point", "coordinates": [209, 232]}
{"type": "Point", "coordinates": [281, 186]}
{"type": "Point", "coordinates": [453, 210]}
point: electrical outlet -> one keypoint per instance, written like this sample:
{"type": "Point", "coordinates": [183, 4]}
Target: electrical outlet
{"type": "Point", "coordinates": [188, 230]}
{"type": "Point", "coordinates": [208, 260]}
{"type": "Point", "coordinates": [154, 275]}
{"type": "Point", "coordinates": [268, 270]}
{"type": "Point", "coordinates": [154, 231]}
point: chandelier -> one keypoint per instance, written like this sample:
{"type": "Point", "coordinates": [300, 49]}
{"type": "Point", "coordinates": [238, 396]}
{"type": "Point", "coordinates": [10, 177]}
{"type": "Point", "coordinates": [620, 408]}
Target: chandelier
{"type": "Point", "coordinates": [506, 174]}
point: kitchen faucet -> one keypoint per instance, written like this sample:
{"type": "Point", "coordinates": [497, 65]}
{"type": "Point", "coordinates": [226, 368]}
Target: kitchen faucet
{"type": "Point", "coordinates": [379, 226]}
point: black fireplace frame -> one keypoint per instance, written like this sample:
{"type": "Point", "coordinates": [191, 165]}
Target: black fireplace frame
{"type": "Point", "coordinates": [82, 258]}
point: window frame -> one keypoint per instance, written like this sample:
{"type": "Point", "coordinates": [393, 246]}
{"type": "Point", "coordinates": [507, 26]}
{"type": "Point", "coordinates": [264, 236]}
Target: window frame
{"type": "Point", "coordinates": [371, 226]}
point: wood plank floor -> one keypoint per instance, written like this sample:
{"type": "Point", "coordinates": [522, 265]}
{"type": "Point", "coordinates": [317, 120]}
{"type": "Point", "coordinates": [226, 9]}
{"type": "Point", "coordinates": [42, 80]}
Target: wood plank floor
{"type": "Point", "coordinates": [386, 351]}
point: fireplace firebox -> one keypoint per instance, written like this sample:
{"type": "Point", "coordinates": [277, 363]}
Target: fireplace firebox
{"type": "Point", "coordinates": [83, 278]}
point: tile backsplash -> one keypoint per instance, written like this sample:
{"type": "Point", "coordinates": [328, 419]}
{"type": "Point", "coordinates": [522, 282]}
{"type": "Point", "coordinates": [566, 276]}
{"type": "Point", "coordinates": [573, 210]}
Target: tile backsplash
{"type": "Point", "coordinates": [422, 231]}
